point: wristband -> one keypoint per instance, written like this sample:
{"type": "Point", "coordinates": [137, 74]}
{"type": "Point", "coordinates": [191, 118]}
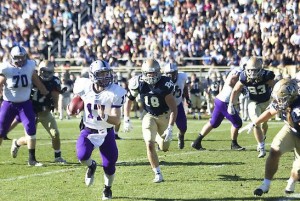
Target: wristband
{"type": "Point", "coordinates": [170, 127]}
{"type": "Point", "coordinates": [104, 118]}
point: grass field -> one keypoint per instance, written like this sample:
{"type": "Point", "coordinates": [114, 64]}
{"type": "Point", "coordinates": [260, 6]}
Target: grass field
{"type": "Point", "coordinates": [214, 174]}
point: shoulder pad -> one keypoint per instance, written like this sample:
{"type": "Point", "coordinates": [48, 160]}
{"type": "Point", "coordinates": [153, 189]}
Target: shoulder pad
{"type": "Point", "coordinates": [80, 85]}
{"type": "Point", "coordinates": [133, 83]}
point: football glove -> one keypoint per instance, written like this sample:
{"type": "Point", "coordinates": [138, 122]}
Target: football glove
{"type": "Point", "coordinates": [127, 125]}
{"type": "Point", "coordinates": [168, 134]}
{"type": "Point", "coordinates": [247, 128]}
{"type": "Point", "coordinates": [231, 109]}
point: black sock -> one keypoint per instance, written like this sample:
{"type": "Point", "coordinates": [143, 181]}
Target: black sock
{"type": "Point", "coordinates": [234, 142]}
{"type": "Point", "coordinates": [17, 144]}
{"type": "Point", "coordinates": [199, 138]}
{"type": "Point", "coordinates": [31, 154]}
{"type": "Point", "coordinates": [57, 154]}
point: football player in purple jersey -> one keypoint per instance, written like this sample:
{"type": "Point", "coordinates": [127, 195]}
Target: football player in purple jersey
{"type": "Point", "coordinates": [180, 93]}
{"type": "Point", "coordinates": [42, 106]}
{"type": "Point", "coordinates": [17, 77]}
{"type": "Point", "coordinates": [220, 112]}
{"type": "Point", "coordinates": [103, 100]}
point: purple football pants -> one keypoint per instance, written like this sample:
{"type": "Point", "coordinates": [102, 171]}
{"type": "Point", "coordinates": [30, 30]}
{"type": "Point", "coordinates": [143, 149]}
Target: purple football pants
{"type": "Point", "coordinates": [220, 111]}
{"type": "Point", "coordinates": [108, 150]}
{"type": "Point", "coordinates": [181, 121]}
{"type": "Point", "coordinates": [23, 110]}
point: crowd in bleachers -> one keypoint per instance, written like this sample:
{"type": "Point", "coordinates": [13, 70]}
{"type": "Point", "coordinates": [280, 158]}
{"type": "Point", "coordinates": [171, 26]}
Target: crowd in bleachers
{"type": "Point", "coordinates": [218, 31]}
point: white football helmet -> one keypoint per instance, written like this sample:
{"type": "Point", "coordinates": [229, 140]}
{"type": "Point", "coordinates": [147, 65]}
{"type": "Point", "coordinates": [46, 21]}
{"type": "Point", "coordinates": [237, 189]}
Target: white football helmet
{"type": "Point", "coordinates": [243, 63]}
{"type": "Point", "coordinates": [285, 93]}
{"type": "Point", "coordinates": [171, 71]}
{"type": "Point", "coordinates": [46, 70]}
{"type": "Point", "coordinates": [100, 73]}
{"type": "Point", "coordinates": [18, 56]}
{"type": "Point", "coordinates": [253, 68]}
{"type": "Point", "coordinates": [151, 71]}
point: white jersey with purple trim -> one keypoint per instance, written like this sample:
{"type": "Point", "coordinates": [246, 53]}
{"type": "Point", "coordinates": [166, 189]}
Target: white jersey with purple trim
{"type": "Point", "coordinates": [18, 81]}
{"type": "Point", "coordinates": [112, 97]}
{"type": "Point", "coordinates": [224, 95]}
{"type": "Point", "coordinates": [179, 86]}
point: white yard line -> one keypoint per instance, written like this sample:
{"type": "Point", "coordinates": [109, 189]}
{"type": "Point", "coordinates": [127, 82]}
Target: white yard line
{"type": "Point", "coordinates": [37, 175]}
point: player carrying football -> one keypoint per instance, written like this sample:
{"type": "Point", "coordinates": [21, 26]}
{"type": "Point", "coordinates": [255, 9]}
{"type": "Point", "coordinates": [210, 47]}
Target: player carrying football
{"type": "Point", "coordinates": [102, 110]}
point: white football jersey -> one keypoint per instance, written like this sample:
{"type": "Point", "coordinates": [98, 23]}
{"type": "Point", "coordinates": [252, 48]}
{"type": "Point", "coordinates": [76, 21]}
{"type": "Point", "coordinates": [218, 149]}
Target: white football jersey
{"type": "Point", "coordinates": [179, 86]}
{"type": "Point", "coordinates": [224, 95]}
{"type": "Point", "coordinates": [18, 81]}
{"type": "Point", "coordinates": [112, 96]}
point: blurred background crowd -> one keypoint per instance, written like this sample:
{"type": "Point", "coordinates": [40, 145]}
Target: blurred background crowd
{"type": "Point", "coordinates": [220, 32]}
{"type": "Point", "coordinates": [124, 32]}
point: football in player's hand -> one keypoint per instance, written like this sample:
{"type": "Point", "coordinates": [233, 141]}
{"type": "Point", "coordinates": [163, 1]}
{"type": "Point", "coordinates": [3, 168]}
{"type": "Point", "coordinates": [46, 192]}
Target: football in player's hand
{"type": "Point", "coordinates": [75, 106]}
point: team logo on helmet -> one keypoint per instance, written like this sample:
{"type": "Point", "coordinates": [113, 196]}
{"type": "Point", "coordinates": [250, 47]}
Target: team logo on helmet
{"type": "Point", "coordinates": [100, 73]}
{"type": "Point", "coordinates": [285, 93]}
{"type": "Point", "coordinates": [18, 56]}
{"type": "Point", "coordinates": [151, 71]}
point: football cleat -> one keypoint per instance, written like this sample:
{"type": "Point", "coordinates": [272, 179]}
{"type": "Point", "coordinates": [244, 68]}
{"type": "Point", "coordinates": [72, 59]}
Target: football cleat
{"type": "Point", "coordinates": [107, 193]}
{"type": "Point", "coordinates": [262, 153]}
{"type": "Point", "coordinates": [180, 141]}
{"type": "Point", "coordinates": [158, 178]}
{"type": "Point", "coordinates": [261, 190]}
{"type": "Point", "coordinates": [14, 148]}
{"type": "Point", "coordinates": [117, 137]}
{"type": "Point", "coordinates": [90, 172]}
{"type": "Point", "coordinates": [290, 187]}
{"type": "Point", "coordinates": [35, 164]}
{"type": "Point", "coordinates": [197, 146]}
{"type": "Point", "coordinates": [237, 147]}
{"type": "Point", "coordinates": [60, 160]}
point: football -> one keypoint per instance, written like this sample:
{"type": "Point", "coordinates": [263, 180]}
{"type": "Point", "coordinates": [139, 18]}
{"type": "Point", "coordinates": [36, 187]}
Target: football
{"type": "Point", "coordinates": [75, 106]}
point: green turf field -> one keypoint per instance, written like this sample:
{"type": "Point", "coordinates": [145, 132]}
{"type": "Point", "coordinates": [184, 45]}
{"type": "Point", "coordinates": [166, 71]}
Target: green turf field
{"type": "Point", "coordinates": [215, 174]}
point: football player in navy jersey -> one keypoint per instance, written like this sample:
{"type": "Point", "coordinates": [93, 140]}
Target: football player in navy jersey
{"type": "Point", "coordinates": [287, 101]}
{"type": "Point", "coordinates": [214, 88]}
{"type": "Point", "coordinates": [259, 83]}
{"type": "Point", "coordinates": [16, 78]}
{"type": "Point", "coordinates": [42, 106]}
{"type": "Point", "coordinates": [156, 92]}
{"type": "Point", "coordinates": [195, 95]}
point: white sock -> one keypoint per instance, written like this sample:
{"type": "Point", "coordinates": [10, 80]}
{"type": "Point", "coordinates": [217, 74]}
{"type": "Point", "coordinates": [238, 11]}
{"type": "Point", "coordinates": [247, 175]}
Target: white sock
{"type": "Point", "coordinates": [156, 170]}
{"type": "Point", "coordinates": [87, 162]}
{"type": "Point", "coordinates": [108, 179]}
{"type": "Point", "coordinates": [261, 145]}
{"type": "Point", "coordinates": [291, 180]}
{"type": "Point", "coordinates": [267, 182]}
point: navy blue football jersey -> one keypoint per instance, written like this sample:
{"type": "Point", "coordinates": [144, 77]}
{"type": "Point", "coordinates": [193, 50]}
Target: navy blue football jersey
{"type": "Point", "coordinates": [295, 114]}
{"type": "Point", "coordinates": [195, 86]}
{"type": "Point", "coordinates": [41, 102]}
{"type": "Point", "coordinates": [258, 89]}
{"type": "Point", "coordinates": [153, 97]}
{"type": "Point", "coordinates": [214, 87]}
